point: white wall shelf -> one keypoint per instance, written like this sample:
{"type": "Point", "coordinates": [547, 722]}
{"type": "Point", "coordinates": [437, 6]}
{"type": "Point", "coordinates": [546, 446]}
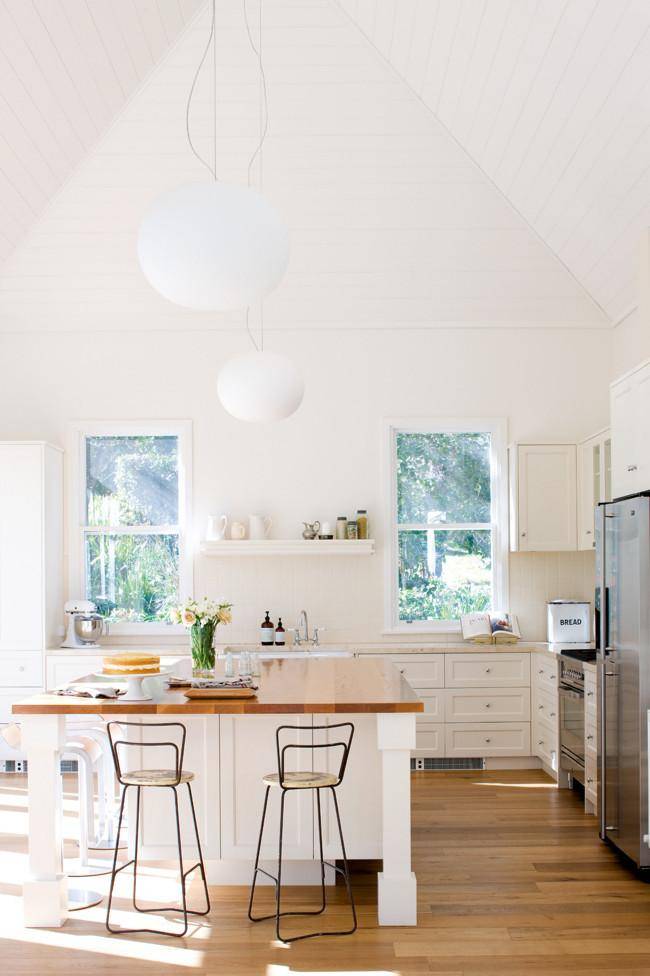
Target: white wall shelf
{"type": "Point", "coordinates": [289, 547]}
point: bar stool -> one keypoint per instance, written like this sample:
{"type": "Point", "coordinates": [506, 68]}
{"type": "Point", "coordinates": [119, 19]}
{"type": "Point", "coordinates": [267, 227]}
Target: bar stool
{"type": "Point", "coordinates": [289, 782]}
{"type": "Point", "coordinates": [154, 779]}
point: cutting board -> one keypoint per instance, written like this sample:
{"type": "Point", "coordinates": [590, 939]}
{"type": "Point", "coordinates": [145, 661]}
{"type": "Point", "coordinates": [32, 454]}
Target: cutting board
{"type": "Point", "coordinates": [219, 693]}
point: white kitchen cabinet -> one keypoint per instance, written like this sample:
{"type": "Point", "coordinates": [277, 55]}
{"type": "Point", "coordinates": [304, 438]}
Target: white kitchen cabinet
{"type": "Point", "coordinates": [546, 711]}
{"type": "Point", "coordinates": [594, 483]}
{"type": "Point", "coordinates": [501, 669]}
{"type": "Point", "coordinates": [543, 497]}
{"type": "Point", "coordinates": [480, 739]}
{"type": "Point", "coordinates": [630, 419]}
{"type": "Point", "coordinates": [31, 545]}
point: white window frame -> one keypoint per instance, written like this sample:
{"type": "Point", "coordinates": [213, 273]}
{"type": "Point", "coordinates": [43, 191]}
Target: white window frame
{"type": "Point", "coordinates": [497, 427]}
{"type": "Point", "coordinates": [78, 431]}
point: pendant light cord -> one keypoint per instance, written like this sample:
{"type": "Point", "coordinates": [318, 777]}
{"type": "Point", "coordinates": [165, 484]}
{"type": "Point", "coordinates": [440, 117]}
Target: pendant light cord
{"type": "Point", "coordinates": [264, 128]}
{"type": "Point", "coordinates": [212, 42]}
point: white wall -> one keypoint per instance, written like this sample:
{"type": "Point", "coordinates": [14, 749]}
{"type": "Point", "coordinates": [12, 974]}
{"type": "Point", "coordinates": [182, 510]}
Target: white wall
{"type": "Point", "coordinates": [326, 460]}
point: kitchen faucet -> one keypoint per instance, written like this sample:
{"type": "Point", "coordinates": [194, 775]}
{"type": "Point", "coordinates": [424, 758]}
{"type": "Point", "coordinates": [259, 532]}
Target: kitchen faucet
{"type": "Point", "coordinates": [301, 632]}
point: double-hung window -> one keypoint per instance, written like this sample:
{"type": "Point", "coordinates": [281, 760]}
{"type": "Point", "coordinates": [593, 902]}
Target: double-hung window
{"type": "Point", "coordinates": [129, 554]}
{"type": "Point", "coordinates": [448, 514]}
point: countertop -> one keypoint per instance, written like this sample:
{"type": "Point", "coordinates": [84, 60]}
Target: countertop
{"type": "Point", "coordinates": [183, 650]}
{"type": "Point", "coordinates": [321, 685]}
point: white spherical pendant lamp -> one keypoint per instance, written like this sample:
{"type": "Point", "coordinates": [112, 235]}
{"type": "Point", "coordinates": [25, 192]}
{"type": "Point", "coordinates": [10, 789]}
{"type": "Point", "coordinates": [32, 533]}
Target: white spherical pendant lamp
{"type": "Point", "coordinates": [260, 387]}
{"type": "Point", "coordinates": [213, 246]}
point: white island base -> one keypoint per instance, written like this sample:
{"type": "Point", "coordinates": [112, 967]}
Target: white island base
{"type": "Point", "coordinates": [229, 755]}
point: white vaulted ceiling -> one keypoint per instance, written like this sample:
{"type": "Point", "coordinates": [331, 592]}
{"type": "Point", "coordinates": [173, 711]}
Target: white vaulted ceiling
{"type": "Point", "coordinates": [551, 98]}
{"type": "Point", "coordinates": [394, 223]}
{"type": "Point", "coordinates": [67, 68]}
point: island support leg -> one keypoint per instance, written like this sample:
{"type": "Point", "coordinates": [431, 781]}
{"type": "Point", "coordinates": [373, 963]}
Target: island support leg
{"type": "Point", "coordinates": [397, 888]}
{"type": "Point", "coordinates": [45, 893]}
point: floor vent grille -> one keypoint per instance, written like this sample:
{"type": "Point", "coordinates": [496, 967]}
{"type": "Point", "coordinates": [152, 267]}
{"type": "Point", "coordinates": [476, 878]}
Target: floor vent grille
{"type": "Point", "coordinates": [20, 766]}
{"type": "Point", "coordinates": [430, 764]}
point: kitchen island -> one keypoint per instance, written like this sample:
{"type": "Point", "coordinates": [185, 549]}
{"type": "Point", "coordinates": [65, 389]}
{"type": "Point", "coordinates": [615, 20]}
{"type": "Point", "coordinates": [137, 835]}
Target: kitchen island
{"type": "Point", "coordinates": [230, 746]}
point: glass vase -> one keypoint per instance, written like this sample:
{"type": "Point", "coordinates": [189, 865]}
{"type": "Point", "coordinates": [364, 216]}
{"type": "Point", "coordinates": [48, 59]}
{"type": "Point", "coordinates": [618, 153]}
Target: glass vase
{"type": "Point", "coordinates": [202, 636]}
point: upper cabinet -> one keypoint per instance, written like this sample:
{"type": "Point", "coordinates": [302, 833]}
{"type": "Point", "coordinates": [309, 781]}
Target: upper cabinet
{"type": "Point", "coordinates": [594, 483]}
{"type": "Point", "coordinates": [630, 416]}
{"type": "Point", "coordinates": [543, 497]}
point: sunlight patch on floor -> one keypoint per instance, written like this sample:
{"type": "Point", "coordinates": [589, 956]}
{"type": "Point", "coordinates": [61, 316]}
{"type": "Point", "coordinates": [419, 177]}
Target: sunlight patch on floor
{"type": "Point", "coordinates": [518, 786]}
{"type": "Point", "coordinates": [273, 970]}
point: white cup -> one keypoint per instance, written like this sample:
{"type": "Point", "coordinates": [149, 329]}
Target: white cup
{"type": "Point", "coordinates": [259, 526]}
{"type": "Point", "coordinates": [237, 531]}
{"type": "Point", "coordinates": [217, 525]}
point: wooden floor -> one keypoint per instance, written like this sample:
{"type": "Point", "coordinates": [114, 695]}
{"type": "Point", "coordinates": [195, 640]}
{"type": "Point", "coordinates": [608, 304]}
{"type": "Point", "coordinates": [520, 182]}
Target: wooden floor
{"type": "Point", "coordinates": [512, 879]}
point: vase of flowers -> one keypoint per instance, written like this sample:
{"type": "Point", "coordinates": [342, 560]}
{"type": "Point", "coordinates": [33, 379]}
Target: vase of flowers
{"type": "Point", "coordinates": [202, 619]}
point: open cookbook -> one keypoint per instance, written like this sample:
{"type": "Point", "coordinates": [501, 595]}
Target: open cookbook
{"type": "Point", "coordinates": [490, 628]}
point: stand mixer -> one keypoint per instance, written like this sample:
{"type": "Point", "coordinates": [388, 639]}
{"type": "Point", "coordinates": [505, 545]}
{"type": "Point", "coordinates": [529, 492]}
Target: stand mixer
{"type": "Point", "coordinates": [85, 625]}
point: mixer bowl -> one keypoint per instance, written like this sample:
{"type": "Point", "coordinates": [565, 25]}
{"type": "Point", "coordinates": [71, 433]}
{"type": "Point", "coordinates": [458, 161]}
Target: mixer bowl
{"type": "Point", "coordinates": [88, 627]}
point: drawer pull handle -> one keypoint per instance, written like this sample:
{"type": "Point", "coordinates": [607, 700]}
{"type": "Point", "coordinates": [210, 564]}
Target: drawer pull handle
{"type": "Point", "coordinates": [401, 670]}
{"type": "Point", "coordinates": [589, 779]}
{"type": "Point", "coordinates": [541, 707]}
{"type": "Point", "coordinates": [487, 670]}
{"type": "Point", "coordinates": [552, 714]}
{"type": "Point", "coordinates": [631, 467]}
{"type": "Point", "coordinates": [589, 738]}
{"type": "Point", "coordinates": [487, 704]}
{"type": "Point", "coordinates": [541, 671]}
{"type": "Point", "coordinates": [590, 694]}
{"type": "Point", "coordinates": [487, 740]}
{"type": "Point", "coordinates": [541, 742]}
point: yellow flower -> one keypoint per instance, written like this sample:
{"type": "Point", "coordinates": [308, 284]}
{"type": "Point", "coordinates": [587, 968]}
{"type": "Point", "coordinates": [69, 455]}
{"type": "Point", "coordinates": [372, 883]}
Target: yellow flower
{"type": "Point", "coordinates": [224, 615]}
{"type": "Point", "coordinates": [189, 617]}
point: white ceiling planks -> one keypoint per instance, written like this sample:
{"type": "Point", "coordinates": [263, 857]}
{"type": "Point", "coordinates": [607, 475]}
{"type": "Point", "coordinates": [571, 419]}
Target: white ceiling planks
{"type": "Point", "coordinates": [67, 67]}
{"type": "Point", "coordinates": [552, 100]}
{"type": "Point", "coordinates": [392, 224]}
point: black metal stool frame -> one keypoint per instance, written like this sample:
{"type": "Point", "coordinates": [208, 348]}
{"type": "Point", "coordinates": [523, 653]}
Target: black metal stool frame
{"type": "Point", "coordinates": [179, 754]}
{"type": "Point", "coordinates": [344, 871]}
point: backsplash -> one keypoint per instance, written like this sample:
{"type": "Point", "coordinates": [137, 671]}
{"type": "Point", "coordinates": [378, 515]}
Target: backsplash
{"type": "Point", "coordinates": [345, 596]}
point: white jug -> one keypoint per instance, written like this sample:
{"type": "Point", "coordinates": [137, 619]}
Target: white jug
{"type": "Point", "coordinates": [217, 525]}
{"type": "Point", "coordinates": [259, 526]}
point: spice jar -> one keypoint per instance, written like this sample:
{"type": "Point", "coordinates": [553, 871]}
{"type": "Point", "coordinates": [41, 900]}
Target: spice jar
{"type": "Point", "coordinates": [342, 527]}
{"type": "Point", "coordinates": [362, 523]}
{"type": "Point", "coordinates": [351, 530]}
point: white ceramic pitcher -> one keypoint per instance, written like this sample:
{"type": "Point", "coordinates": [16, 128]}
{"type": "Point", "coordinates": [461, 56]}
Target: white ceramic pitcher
{"type": "Point", "coordinates": [217, 525]}
{"type": "Point", "coordinates": [259, 526]}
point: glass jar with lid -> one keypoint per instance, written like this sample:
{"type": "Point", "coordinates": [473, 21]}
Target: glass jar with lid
{"type": "Point", "coordinates": [362, 523]}
{"type": "Point", "coordinates": [351, 530]}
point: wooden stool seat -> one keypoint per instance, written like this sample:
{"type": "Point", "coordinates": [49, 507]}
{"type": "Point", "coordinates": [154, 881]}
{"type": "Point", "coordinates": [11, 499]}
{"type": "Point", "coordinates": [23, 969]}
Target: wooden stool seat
{"type": "Point", "coordinates": [305, 780]}
{"type": "Point", "coordinates": [156, 777]}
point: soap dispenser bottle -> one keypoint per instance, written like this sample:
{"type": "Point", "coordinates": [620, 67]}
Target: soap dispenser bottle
{"type": "Point", "coordinates": [267, 631]}
{"type": "Point", "coordinates": [280, 633]}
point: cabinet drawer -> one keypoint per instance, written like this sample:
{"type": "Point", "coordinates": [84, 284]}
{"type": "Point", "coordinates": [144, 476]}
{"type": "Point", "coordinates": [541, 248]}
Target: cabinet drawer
{"type": "Point", "coordinates": [24, 668]}
{"type": "Point", "coordinates": [422, 670]}
{"type": "Point", "coordinates": [591, 771]}
{"type": "Point", "coordinates": [545, 673]}
{"type": "Point", "coordinates": [431, 740]}
{"type": "Point", "coordinates": [545, 706]}
{"type": "Point", "coordinates": [483, 739]}
{"type": "Point", "coordinates": [544, 743]}
{"type": "Point", "coordinates": [491, 705]}
{"type": "Point", "coordinates": [434, 706]}
{"type": "Point", "coordinates": [499, 670]}
{"type": "Point", "coordinates": [10, 695]}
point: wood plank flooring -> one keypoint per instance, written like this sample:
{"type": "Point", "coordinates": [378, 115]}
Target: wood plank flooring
{"type": "Point", "coordinates": [512, 879]}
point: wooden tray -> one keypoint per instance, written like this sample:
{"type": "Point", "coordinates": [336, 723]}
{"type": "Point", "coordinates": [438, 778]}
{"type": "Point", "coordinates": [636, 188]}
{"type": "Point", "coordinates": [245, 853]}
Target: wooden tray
{"type": "Point", "coordinates": [219, 692]}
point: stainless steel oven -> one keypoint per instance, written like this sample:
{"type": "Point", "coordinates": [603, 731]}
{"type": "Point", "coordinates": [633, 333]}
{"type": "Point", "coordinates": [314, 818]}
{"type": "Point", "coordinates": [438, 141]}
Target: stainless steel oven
{"type": "Point", "coordinates": [572, 712]}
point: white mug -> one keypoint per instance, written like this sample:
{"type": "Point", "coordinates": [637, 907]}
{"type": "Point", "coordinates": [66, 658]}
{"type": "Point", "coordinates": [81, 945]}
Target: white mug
{"type": "Point", "coordinates": [259, 526]}
{"type": "Point", "coordinates": [217, 525]}
{"type": "Point", "coordinates": [237, 531]}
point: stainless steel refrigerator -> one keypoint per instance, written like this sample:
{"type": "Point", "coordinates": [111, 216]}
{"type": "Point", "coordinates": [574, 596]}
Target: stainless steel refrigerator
{"type": "Point", "coordinates": [623, 647]}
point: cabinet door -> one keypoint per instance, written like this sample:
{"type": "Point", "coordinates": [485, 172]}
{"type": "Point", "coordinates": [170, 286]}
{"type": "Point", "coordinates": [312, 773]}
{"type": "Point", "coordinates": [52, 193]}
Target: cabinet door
{"type": "Point", "coordinates": [624, 441]}
{"type": "Point", "coordinates": [642, 425]}
{"type": "Point", "coordinates": [21, 547]}
{"type": "Point", "coordinates": [546, 497]}
{"type": "Point", "coordinates": [588, 473]}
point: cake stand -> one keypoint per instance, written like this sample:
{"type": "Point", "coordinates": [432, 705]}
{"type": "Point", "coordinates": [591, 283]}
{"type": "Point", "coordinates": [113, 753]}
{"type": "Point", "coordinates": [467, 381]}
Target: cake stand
{"type": "Point", "coordinates": [135, 691]}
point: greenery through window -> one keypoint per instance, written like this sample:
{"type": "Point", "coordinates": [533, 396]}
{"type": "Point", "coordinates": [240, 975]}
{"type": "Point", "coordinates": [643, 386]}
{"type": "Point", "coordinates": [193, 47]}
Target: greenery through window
{"type": "Point", "coordinates": [444, 529]}
{"type": "Point", "coordinates": [131, 537]}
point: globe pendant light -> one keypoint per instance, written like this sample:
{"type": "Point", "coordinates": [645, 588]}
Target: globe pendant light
{"type": "Point", "coordinates": [260, 387]}
{"type": "Point", "coordinates": [213, 246]}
